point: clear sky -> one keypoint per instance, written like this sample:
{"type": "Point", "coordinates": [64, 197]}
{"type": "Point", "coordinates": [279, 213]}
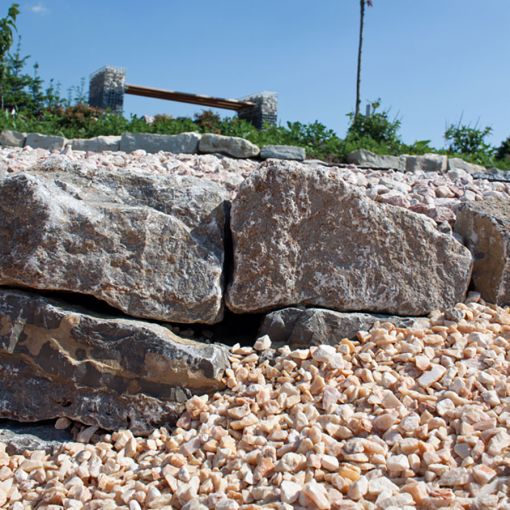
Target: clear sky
{"type": "Point", "coordinates": [430, 61]}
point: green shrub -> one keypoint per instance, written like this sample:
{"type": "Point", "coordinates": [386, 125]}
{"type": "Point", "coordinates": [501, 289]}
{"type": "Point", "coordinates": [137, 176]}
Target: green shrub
{"type": "Point", "coordinates": [470, 143]}
{"type": "Point", "coordinates": [375, 132]}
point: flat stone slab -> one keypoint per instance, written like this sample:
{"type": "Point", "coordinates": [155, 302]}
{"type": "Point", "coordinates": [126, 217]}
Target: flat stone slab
{"type": "Point", "coordinates": [18, 436]}
{"type": "Point", "coordinates": [48, 142]}
{"type": "Point", "coordinates": [367, 159]}
{"type": "Point", "coordinates": [229, 145]}
{"type": "Point", "coordinates": [485, 227]}
{"type": "Point", "coordinates": [96, 144]}
{"type": "Point", "coordinates": [58, 360]}
{"type": "Point", "coordinates": [184, 143]}
{"type": "Point", "coordinates": [302, 327]}
{"type": "Point", "coordinates": [149, 245]}
{"type": "Point", "coordinates": [460, 164]}
{"type": "Point", "coordinates": [283, 152]}
{"type": "Point", "coordinates": [303, 236]}
{"type": "Point", "coordinates": [12, 138]}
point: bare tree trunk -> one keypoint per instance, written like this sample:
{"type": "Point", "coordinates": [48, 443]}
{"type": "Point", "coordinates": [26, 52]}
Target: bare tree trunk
{"type": "Point", "coordinates": [360, 49]}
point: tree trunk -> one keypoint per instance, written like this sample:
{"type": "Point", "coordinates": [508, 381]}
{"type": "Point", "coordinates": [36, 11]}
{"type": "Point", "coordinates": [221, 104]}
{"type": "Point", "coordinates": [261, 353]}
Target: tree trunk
{"type": "Point", "coordinates": [360, 49]}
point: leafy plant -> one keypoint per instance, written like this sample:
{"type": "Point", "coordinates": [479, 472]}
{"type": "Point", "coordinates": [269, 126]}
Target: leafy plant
{"type": "Point", "coordinates": [470, 142]}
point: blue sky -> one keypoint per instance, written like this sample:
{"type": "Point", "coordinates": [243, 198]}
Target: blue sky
{"type": "Point", "coordinates": [430, 62]}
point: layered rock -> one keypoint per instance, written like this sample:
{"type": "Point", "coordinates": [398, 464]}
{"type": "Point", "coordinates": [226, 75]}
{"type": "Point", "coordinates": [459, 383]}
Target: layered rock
{"type": "Point", "coordinates": [303, 237]}
{"type": "Point", "coordinates": [485, 226]}
{"type": "Point", "coordinates": [149, 245]}
{"type": "Point", "coordinates": [60, 361]}
{"type": "Point", "coordinates": [302, 327]}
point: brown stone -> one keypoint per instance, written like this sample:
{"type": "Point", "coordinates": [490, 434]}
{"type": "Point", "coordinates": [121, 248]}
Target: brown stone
{"type": "Point", "coordinates": [485, 227]}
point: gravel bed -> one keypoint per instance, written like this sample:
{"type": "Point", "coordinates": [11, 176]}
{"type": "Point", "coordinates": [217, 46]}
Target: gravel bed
{"type": "Point", "coordinates": [402, 418]}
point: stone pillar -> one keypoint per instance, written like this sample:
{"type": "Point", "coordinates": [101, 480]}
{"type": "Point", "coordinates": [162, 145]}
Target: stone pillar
{"type": "Point", "coordinates": [106, 89]}
{"type": "Point", "coordinates": [265, 110]}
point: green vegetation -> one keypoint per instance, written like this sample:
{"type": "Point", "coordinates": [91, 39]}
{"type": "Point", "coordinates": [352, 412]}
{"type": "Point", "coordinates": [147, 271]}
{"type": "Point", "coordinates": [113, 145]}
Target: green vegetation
{"type": "Point", "coordinates": [26, 105]}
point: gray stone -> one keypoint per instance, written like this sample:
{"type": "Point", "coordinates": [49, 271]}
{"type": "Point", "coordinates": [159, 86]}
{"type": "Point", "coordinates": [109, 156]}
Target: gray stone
{"type": "Point", "coordinates": [97, 144]}
{"type": "Point", "coordinates": [48, 142]}
{"type": "Point", "coordinates": [304, 237]}
{"type": "Point", "coordinates": [19, 437]}
{"type": "Point", "coordinates": [460, 164]}
{"type": "Point", "coordinates": [367, 159]}
{"type": "Point", "coordinates": [426, 163]}
{"type": "Point", "coordinates": [184, 143]}
{"type": "Point", "coordinates": [283, 152]}
{"type": "Point", "coordinates": [229, 145]}
{"type": "Point", "coordinates": [12, 138]}
{"type": "Point", "coordinates": [149, 245]}
{"type": "Point", "coordinates": [62, 361]}
{"type": "Point", "coordinates": [485, 227]}
{"type": "Point", "coordinates": [494, 175]}
{"type": "Point", "coordinates": [301, 327]}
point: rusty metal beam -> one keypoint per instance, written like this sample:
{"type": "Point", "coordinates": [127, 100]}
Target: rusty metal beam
{"type": "Point", "coordinates": [184, 97]}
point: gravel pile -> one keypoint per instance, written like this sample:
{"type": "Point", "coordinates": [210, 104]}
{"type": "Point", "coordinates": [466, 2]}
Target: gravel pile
{"type": "Point", "coordinates": [430, 193]}
{"type": "Point", "coordinates": [400, 419]}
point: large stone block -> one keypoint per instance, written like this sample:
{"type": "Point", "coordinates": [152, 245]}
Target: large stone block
{"type": "Point", "coordinates": [57, 360]}
{"type": "Point", "coordinates": [485, 227]}
{"type": "Point", "coordinates": [149, 245]}
{"type": "Point", "coordinates": [304, 237]}
{"type": "Point", "coordinates": [460, 164]}
{"type": "Point", "coordinates": [301, 327]}
{"type": "Point", "coordinates": [96, 144]}
{"type": "Point", "coordinates": [367, 159]}
{"type": "Point", "coordinates": [426, 163]}
{"type": "Point", "coordinates": [229, 145]}
{"type": "Point", "coordinates": [48, 142]}
{"type": "Point", "coordinates": [283, 152]}
{"type": "Point", "coordinates": [12, 138]}
{"type": "Point", "coordinates": [184, 143]}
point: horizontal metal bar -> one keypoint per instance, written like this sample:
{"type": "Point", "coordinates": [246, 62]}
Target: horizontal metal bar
{"type": "Point", "coordinates": [184, 97]}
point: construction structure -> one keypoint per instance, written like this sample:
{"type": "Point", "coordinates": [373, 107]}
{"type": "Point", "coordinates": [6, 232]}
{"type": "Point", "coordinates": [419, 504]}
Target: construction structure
{"type": "Point", "coordinates": [108, 86]}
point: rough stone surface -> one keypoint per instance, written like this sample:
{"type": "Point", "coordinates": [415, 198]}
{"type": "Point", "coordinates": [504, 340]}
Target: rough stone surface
{"type": "Point", "coordinates": [283, 152]}
{"type": "Point", "coordinates": [485, 227]}
{"type": "Point", "coordinates": [367, 159]}
{"type": "Point", "coordinates": [426, 163]}
{"type": "Point", "coordinates": [229, 145]}
{"type": "Point", "coordinates": [304, 237]}
{"type": "Point", "coordinates": [19, 437]}
{"type": "Point", "coordinates": [316, 326]}
{"type": "Point", "coordinates": [460, 164]}
{"type": "Point", "coordinates": [96, 144]}
{"type": "Point", "coordinates": [12, 138]}
{"type": "Point", "coordinates": [149, 245]}
{"type": "Point", "coordinates": [48, 142]}
{"type": "Point", "coordinates": [184, 143]}
{"type": "Point", "coordinates": [57, 360]}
